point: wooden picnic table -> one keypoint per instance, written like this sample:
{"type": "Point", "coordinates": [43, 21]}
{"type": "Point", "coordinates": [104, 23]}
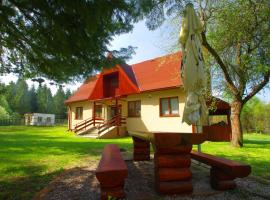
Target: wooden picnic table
{"type": "Point", "coordinates": [171, 157]}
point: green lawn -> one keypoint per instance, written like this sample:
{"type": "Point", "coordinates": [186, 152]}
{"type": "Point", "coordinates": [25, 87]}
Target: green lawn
{"type": "Point", "coordinates": [31, 156]}
{"type": "Point", "coordinates": [256, 152]}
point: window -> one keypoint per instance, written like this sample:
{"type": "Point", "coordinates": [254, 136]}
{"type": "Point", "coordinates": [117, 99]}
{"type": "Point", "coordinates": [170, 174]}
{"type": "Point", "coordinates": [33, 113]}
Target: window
{"type": "Point", "coordinates": [79, 113]}
{"type": "Point", "coordinates": [48, 120]}
{"type": "Point", "coordinates": [134, 108]}
{"type": "Point", "coordinates": [114, 82]}
{"type": "Point", "coordinates": [169, 107]}
{"type": "Point", "coordinates": [98, 111]}
{"type": "Point", "coordinates": [39, 119]}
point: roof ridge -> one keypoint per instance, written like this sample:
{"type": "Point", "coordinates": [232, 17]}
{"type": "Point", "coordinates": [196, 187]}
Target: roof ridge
{"type": "Point", "coordinates": [167, 55]}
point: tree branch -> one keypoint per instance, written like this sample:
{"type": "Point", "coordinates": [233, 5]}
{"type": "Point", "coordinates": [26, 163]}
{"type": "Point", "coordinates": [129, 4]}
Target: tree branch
{"type": "Point", "coordinates": [230, 83]}
{"type": "Point", "coordinates": [257, 88]}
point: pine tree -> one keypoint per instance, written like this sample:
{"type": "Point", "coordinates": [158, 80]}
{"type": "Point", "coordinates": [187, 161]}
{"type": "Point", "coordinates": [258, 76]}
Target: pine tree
{"type": "Point", "coordinates": [44, 100]}
{"type": "Point", "coordinates": [33, 100]}
{"type": "Point", "coordinates": [59, 106]}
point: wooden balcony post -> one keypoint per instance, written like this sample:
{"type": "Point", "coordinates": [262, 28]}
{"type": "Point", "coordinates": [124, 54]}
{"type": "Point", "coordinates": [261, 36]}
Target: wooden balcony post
{"type": "Point", "coordinates": [117, 117]}
{"type": "Point", "coordinates": [69, 118]}
{"type": "Point", "coordinates": [94, 113]}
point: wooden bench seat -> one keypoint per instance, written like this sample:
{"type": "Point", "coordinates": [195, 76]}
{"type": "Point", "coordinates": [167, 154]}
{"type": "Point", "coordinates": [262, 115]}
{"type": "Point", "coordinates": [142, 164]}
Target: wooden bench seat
{"type": "Point", "coordinates": [223, 171]}
{"type": "Point", "coordinates": [111, 173]}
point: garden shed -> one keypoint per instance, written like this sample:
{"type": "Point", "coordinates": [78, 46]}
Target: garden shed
{"type": "Point", "coordinates": [39, 119]}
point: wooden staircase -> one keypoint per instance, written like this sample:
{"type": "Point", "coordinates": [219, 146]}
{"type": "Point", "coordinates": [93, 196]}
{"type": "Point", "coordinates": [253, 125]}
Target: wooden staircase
{"type": "Point", "coordinates": [111, 124]}
{"type": "Point", "coordinates": [87, 124]}
{"type": "Point", "coordinates": [96, 128]}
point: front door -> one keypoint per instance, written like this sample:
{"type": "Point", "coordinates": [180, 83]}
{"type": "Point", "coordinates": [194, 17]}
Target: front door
{"type": "Point", "coordinates": [113, 111]}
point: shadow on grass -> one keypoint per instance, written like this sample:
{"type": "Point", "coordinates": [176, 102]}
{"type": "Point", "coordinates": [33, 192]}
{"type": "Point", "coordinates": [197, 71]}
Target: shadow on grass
{"type": "Point", "coordinates": [25, 187]}
{"type": "Point", "coordinates": [257, 142]}
{"type": "Point", "coordinates": [31, 157]}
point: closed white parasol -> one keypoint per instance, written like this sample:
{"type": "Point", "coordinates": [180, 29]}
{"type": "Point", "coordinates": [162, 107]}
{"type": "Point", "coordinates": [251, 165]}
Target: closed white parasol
{"type": "Point", "coordinates": [192, 71]}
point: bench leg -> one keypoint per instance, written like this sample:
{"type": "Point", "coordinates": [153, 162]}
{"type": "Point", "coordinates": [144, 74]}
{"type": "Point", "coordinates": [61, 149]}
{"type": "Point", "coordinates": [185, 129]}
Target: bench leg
{"type": "Point", "coordinates": [114, 193]}
{"type": "Point", "coordinates": [141, 149]}
{"type": "Point", "coordinates": [220, 180]}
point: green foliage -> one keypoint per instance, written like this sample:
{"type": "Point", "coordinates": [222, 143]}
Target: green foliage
{"type": "Point", "coordinates": [243, 28]}
{"type": "Point", "coordinates": [58, 99]}
{"type": "Point", "coordinates": [44, 99]}
{"type": "Point", "coordinates": [62, 39]}
{"type": "Point", "coordinates": [255, 116]}
{"type": "Point", "coordinates": [3, 112]}
{"type": "Point", "coordinates": [16, 99]}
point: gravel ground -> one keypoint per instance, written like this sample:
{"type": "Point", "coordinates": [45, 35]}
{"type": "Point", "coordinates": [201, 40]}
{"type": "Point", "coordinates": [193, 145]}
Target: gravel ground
{"type": "Point", "coordinates": [81, 183]}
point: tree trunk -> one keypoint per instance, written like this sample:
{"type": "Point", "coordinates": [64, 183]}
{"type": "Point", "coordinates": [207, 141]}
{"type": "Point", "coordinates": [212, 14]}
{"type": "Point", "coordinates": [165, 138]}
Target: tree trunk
{"type": "Point", "coordinates": [237, 134]}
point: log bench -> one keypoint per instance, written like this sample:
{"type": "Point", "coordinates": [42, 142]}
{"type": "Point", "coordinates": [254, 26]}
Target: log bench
{"type": "Point", "coordinates": [111, 173]}
{"type": "Point", "coordinates": [223, 171]}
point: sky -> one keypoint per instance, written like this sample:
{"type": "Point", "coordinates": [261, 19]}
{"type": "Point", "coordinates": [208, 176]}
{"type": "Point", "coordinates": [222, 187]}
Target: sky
{"type": "Point", "coordinates": [150, 44]}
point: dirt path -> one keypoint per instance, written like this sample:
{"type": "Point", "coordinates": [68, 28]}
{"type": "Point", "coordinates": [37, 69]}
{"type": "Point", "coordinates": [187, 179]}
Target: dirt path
{"type": "Point", "coordinates": [81, 183]}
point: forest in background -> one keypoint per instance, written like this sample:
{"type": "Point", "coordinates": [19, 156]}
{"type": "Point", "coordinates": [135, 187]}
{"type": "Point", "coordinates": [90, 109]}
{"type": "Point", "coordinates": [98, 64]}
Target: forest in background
{"type": "Point", "coordinates": [17, 98]}
{"type": "Point", "coordinates": [255, 116]}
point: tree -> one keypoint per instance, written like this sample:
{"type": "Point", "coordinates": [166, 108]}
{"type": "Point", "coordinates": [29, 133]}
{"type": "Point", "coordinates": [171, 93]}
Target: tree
{"type": "Point", "coordinates": [61, 40]}
{"type": "Point", "coordinates": [33, 100]}
{"type": "Point", "coordinates": [68, 93]}
{"type": "Point", "coordinates": [21, 97]}
{"type": "Point", "coordinates": [243, 55]}
{"type": "Point", "coordinates": [44, 100]}
{"type": "Point", "coordinates": [236, 39]}
{"type": "Point", "coordinates": [59, 106]}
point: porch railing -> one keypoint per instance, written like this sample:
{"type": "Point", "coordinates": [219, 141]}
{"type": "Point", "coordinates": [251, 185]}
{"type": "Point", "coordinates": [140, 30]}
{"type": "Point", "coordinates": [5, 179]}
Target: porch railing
{"type": "Point", "coordinates": [87, 123]}
{"type": "Point", "coordinates": [117, 120]}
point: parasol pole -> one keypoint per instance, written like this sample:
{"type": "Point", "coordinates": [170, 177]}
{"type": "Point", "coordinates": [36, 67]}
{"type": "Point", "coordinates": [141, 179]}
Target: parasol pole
{"type": "Point", "coordinates": [198, 131]}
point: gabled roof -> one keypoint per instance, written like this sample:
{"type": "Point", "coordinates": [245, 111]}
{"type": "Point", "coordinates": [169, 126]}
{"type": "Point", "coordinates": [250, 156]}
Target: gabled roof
{"type": "Point", "coordinates": [159, 73]}
{"type": "Point", "coordinates": [155, 74]}
{"type": "Point", "coordinates": [84, 91]}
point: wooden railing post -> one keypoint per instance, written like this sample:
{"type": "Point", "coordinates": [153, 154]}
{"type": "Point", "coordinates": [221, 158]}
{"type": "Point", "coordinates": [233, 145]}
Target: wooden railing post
{"type": "Point", "coordinates": [94, 113]}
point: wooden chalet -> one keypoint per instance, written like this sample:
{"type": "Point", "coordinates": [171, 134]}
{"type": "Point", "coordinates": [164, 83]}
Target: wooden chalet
{"type": "Point", "coordinates": [144, 97]}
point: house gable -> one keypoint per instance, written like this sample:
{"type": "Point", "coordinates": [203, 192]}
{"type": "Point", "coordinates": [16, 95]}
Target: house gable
{"type": "Point", "coordinates": [112, 83]}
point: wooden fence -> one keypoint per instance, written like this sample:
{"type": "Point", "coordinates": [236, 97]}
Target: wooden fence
{"type": "Point", "coordinates": [21, 121]}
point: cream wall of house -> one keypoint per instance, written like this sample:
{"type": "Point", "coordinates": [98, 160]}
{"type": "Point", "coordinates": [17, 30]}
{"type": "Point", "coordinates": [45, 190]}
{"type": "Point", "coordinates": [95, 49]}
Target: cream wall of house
{"type": "Point", "coordinates": [151, 120]}
{"type": "Point", "coordinates": [87, 111]}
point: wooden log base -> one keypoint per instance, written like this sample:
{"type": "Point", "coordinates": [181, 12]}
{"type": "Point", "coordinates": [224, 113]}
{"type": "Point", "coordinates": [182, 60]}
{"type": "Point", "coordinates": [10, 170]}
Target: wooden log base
{"type": "Point", "coordinates": [138, 157]}
{"type": "Point", "coordinates": [183, 149]}
{"type": "Point", "coordinates": [141, 149]}
{"type": "Point", "coordinates": [222, 185]}
{"type": "Point", "coordinates": [173, 161]}
{"type": "Point", "coordinates": [220, 180]}
{"type": "Point", "coordinates": [116, 193]}
{"type": "Point", "coordinates": [174, 174]}
{"type": "Point", "coordinates": [218, 174]}
{"type": "Point", "coordinates": [174, 187]}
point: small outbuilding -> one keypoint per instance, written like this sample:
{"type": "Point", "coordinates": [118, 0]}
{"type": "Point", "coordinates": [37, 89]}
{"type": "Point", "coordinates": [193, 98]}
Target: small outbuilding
{"type": "Point", "coordinates": [39, 119]}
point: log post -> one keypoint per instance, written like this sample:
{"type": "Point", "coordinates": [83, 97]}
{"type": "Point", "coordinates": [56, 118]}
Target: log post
{"type": "Point", "coordinates": [172, 164]}
{"type": "Point", "coordinates": [141, 149]}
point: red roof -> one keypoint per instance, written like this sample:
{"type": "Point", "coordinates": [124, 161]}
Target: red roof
{"type": "Point", "coordinates": [159, 73]}
{"type": "Point", "coordinates": [155, 74]}
{"type": "Point", "coordinates": [84, 91]}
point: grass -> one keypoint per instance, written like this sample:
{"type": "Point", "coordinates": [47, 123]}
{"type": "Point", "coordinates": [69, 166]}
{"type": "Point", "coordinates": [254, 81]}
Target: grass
{"type": "Point", "coordinates": [30, 157]}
